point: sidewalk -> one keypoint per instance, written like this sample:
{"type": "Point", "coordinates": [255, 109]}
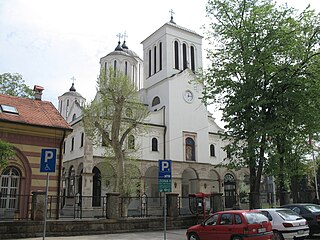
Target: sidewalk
{"type": "Point", "coordinates": [179, 234]}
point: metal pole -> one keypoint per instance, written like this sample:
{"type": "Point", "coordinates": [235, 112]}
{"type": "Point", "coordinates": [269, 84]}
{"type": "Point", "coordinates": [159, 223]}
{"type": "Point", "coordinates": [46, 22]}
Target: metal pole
{"type": "Point", "coordinates": [165, 217]}
{"type": "Point", "coordinates": [315, 173]}
{"type": "Point", "coordinates": [45, 208]}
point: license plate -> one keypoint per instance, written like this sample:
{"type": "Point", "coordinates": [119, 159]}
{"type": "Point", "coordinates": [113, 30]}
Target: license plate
{"type": "Point", "coordinates": [300, 232]}
{"type": "Point", "coordinates": [261, 230]}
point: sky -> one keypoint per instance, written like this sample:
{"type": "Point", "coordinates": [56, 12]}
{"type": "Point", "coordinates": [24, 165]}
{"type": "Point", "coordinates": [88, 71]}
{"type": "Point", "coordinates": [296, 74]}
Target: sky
{"type": "Point", "coordinates": [49, 42]}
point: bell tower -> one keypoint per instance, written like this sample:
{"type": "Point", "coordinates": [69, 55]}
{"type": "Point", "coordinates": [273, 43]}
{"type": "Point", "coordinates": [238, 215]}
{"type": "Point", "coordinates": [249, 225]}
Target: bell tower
{"type": "Point", "coordinates": [170, 50]}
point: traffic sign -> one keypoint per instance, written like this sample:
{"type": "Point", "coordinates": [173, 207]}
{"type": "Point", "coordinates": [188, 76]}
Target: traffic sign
{"type": "Point", "coordinates": [164, 176]}
{"type": "Point", "coordinates": [48, 160]}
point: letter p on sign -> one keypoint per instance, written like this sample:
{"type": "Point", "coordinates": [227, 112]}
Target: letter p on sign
{"type": "Point", "coordinates": [165, 166]}
{"type": "Point", "coordinates": [48, 160]}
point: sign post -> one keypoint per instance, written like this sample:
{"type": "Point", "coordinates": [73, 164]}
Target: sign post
{"type": "Point", "coordinates": [47, 164]}
{"type": "Point", "coordinates": [164, 185]}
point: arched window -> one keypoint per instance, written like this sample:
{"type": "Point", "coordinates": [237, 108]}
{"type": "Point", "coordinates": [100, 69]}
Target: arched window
{"type": "Point", "coordinates": [126, 68]}
{"type": "Point", "coordinates": [96, 190]}
{"type": "Point", "coordinates": [74, 117]}
{"type": "Point", "coordinates": [193, 68]}
{"type": "Point", "coordinates": [212, 151]}
{"type": "Point", "coordinates": [131, 142]}
{"type": "Point", "coordinates": [176, 55]}
{"type": "Point", "coordinates": [155, 59]}
{"type": "Point", "coordinates": [154, 144]}
{"type": "Point", "coordinates": [104, 142]}
{"type": "Point", "coordinates": [190, 149]}
{"type": "Point", "coordinates": [149, 63]}
{"type": "Point", "coordinates": [184, 55]}
{"type": "Point", "coordinates": [115, 66]}
{"type": "Point", "coordinates": [10, 188]}
{"type": "Point", "coordinates": [71, 182]}
{"type": "Point", "coordinates": [160, 56]}
{"type": "Point", "coordinates": [72, 144]}
{"type": "Point", "coordinates": [155, 101]}
{"type": "Point", "coordinates": [82, 140]}
{"type": "Point", "coordinates": [229, 190]}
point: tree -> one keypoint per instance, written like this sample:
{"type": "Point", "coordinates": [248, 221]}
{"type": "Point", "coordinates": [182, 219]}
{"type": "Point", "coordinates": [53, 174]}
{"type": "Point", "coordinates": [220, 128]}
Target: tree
{"type": "Point", "coordinates": [115, 117]}
{"type": "Point", "coordinates": [6, 152]}
{"type": "Point", "coordinates": [13, 84]}
{"type": "Point", "coordinates": [264, 72]}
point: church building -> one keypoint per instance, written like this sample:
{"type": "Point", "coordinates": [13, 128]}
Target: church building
{"type": "Point", "coordinates": [180, 127]}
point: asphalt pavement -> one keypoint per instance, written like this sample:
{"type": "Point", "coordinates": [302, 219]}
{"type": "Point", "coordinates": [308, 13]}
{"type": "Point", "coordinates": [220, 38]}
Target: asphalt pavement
{"type": "Point", "coordinates": [179, 234]}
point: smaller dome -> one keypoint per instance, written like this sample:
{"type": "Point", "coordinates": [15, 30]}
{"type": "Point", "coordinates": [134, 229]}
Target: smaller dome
{"type": "Point", "coordinates": [72, 89]}
{"type": "Point", "coordinates": [72, 92]}
{"type": "Point", "coordinates": [118, 48]}
{"type": "Point", "coordinates": [124, 46]}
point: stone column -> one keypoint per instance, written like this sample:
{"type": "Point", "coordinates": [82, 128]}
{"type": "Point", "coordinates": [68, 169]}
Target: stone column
{"type": "Point", "coordinates": [38, 206]}
{"type": "Point", "coordinates": [217, 202]}
{"type": "Point", "coordinates": [172, 200]}
{"type": "Point", "coordinates": [113, 201]}
{"type": "Point", "coordinates": [87, 189]}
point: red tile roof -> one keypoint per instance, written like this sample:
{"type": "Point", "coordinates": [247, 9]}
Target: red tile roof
{"type": "Point", "coordinates": [33, 112]}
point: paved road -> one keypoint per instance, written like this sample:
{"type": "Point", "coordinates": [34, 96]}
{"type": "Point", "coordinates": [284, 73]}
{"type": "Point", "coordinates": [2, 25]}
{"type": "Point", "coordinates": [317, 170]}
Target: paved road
{"type": "Point", "coordinates": [179, 234]}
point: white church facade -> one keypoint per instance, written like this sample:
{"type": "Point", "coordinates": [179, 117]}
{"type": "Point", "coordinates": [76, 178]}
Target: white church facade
{"type": "Point", "coordinates": [180, 128]}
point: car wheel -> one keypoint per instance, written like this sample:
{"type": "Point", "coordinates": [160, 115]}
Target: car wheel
{"type": "Point", "coordinates": [193, 236]}
{"type": "Point", "coordinates": [277, 236]}
{"type": "Point", "coordinates": [236, 238]}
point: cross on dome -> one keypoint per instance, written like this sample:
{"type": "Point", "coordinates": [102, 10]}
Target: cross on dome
{"type": "Point", "coordinates": [72, 89]}
{"type": "Point", "coordinates": [120, 35]}
{"type": "Point", "coordinates": [172, 12]}
{"type": "Point", "coordinates": [124, 46]}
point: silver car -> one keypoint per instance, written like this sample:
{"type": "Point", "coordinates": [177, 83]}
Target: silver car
{"type": "Point", "coordinates": [286, 224]}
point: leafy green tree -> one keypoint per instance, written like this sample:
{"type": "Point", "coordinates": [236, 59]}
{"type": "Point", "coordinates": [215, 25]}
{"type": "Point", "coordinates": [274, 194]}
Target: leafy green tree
{"type": "Point", "coordinates": [14, 85]}
{"type": "Point", "coordinates": [6, 152]}
{"type": "Point", "coordinates": [115, 117]}
{"type": "Point", "coordinates": [264, 72]}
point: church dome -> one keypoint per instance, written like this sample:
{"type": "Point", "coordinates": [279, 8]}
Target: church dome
{"type": "Point", "coordinates": [123, 50]}
{"type": "Point", "coordinates": [72, 92]}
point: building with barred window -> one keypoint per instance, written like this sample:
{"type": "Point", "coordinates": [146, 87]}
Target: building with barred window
{"type": "Point", "coordinates": [29, 125]}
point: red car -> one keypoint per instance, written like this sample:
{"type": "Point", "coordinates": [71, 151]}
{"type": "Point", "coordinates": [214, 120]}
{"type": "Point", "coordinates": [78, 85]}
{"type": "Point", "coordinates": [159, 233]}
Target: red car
{"type": "Point", "coordinates": [233, 225]}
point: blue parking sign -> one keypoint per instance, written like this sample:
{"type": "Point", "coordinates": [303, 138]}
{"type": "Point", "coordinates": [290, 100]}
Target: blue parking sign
{"type": "Point", "coordinates": [48, 160]}
{"type": "Point", "coordinates": [164, 175]}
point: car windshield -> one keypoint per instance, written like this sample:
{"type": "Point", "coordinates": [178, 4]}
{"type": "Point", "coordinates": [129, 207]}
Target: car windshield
{"type": "Point", "coordinates": [313, 208]}
{"type": "Point", "coordinates": [255, 217]}
{"type": "Point", "coordinates": [288, 215]}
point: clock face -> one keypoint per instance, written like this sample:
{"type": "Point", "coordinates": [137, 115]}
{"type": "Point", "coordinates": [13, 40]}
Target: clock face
{"type": "Point", "coordinates": [188, 96]}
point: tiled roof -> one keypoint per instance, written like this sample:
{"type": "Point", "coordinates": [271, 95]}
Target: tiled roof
{"type": "Point", "coordinates": [33, 112]}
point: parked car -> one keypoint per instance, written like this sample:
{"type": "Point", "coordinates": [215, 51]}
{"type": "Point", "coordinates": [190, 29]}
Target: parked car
{"type": "Point", "coordinates": [286, 224]}
{"type": "Point", "coordinates": [232, 225]}
{"type": "Point", "coordinates": [310, 211]}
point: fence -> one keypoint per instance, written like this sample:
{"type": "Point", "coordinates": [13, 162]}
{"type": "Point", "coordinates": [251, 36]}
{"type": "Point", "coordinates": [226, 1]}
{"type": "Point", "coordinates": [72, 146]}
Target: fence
{"type": "Point", "coordinates": [29, 206]}
{"type": "Point", "coordinates": [13, 206]}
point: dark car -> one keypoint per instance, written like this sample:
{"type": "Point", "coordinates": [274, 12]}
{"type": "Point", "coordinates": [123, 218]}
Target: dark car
{"type": "Point", "coordinates": [232, 225]}
{"type": "Point", "coordinates": [309, 211]}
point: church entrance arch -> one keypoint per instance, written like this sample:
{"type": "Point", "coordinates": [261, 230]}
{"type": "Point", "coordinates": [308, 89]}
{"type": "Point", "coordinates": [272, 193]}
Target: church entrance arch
{"type": "Point", "coordinates": [96, 188]}
{"type": "Point", "coordinates": [190, 182]}
{"type": "Point", "coordinates": [151, 182]}
{"type": "Point", "coordinates": [214, 182]}
{"type": "Point", "coordinates": [230, 190]}
{"type": "Point", "coordinates": [79, 179]}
